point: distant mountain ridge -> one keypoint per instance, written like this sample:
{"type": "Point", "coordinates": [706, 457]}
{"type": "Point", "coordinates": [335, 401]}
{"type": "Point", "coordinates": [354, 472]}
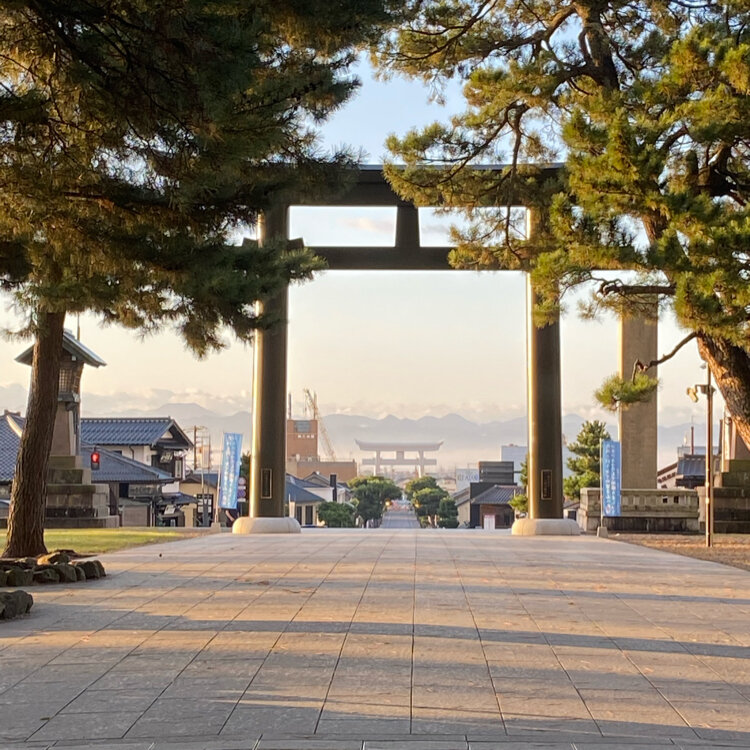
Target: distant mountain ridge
{"type": "Point", "coordinates": [464, 441]}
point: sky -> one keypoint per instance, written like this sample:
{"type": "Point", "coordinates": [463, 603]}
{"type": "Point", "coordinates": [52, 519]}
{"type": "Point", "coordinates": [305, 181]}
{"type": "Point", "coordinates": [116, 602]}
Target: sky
{"type": "Point", "coordinates": [375, 343]}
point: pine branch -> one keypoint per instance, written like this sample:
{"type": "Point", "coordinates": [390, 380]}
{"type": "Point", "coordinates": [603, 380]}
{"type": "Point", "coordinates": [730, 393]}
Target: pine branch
{"type": "Point", "coordinates": [643, 366]}
{"type": "Point", "coordinates": [635, 290]}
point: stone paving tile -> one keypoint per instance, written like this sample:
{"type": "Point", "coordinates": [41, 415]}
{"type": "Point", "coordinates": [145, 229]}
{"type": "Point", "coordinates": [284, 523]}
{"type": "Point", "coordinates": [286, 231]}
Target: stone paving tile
{"type": "Point", "coordinates": [380, 727]}
{"type": "Point", "coordinates": [95, 701]}
{"type": "Point", "coordinates": [258, 718]}
{"type": "Point", "coordinates": [418, 744]}
{"type": "Point", "coordinates": [272, 743]}
{"type": "Point", "coordinates": [208, 743]}
{"type": "Point", "coordinates": [715, 716]}
{"type": "Point", "coordinates": [646, 708]}
{"type": "Point", "coordinates": [456, 721]}
{"type": "Point", "coordinates": [104, 725]}
{"type": "Point", "coordinates": [522, 723]}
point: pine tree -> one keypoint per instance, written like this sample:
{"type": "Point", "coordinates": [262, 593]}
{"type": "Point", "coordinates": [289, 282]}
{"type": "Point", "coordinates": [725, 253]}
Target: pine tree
{"type": "Point", "coordinates": [136, 139]}
{"type": "Point", "coordinates": [427, 503]}
{"type": "Point", "coordinates": [336, 515]}
{"type": "Point", "coordinates": [586, 467]}
{"type": "Point", "coordinates": [520, 503]}
{"type": "Point", "coordinates": [371, 494]}
{"type": "Point", "coordinates": [648, 105]}
{"type": "Point", "coordinates": [419, 483]}
{"type": "Point", "coordinates": [448, 514]}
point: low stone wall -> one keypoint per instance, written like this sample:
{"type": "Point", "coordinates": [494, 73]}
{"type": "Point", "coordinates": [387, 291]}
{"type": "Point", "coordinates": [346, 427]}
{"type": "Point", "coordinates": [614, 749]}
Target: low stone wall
{"type": "Point", "coordinates": [670, 510]}
{"type": "Point", "coordinates": [56, 567]}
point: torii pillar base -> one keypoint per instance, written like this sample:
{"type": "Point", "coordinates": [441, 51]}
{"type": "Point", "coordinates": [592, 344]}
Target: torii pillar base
{"type": "Point", "coordinates": [266, 525]}
{"type": "Point", "coordinates": [545, 527]}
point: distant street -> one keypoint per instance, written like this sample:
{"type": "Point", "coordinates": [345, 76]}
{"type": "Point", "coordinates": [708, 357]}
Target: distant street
{"type": "Point", "coordinates": [400, 516]}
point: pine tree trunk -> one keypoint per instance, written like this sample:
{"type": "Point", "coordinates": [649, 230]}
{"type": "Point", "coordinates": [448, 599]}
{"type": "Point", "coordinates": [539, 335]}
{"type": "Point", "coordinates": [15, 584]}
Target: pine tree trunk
{"type": "Point", "coordinates": [730, 367]}
{"type": "Point", "coordinates": [29, 496]}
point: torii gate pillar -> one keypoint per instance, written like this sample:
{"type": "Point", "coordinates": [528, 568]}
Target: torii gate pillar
{"type": "Point", "coordinates": [638, 424]}
{"type": "Point", "coordinates": [544, 464]}
{"type": "Point", "coordinates": [268, 446]}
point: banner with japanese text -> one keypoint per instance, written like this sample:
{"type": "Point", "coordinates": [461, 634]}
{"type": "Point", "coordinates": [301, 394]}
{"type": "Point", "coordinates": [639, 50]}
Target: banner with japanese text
{"type": "Point", "coordinates": [231, 454]}
{"type": "Point", "coordinates": [610, 477]}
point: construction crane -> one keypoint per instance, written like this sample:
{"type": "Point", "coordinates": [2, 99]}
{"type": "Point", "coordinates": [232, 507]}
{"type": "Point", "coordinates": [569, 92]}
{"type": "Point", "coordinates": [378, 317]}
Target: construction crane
{"type": "Point", "coordinates": [311, 404]}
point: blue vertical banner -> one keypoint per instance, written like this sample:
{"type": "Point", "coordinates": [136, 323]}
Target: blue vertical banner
{"type": "Point", "coordinates": [611, 477]}
{"type": "Point", "coordinates": [230, 470]}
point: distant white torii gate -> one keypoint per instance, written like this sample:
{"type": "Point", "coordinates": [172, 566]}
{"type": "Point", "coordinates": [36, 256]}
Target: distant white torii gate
{"type": "Point", "coordinates": [420, 462]}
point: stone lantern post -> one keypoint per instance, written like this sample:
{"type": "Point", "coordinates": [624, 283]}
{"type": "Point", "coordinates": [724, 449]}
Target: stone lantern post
{"type": "Point", "coordinates": [72, 499]}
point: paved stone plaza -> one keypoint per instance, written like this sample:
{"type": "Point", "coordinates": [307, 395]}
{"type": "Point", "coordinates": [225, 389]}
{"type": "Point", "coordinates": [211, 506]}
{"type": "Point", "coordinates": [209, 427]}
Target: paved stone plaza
{"type": "Point", "coordinates": [383, 639]}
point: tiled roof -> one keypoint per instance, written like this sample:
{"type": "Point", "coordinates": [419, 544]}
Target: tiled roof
{"type": "Point", "coordinates": [497, 495]}
{"type": "Point", "coordinates": [116, 468]}
{"type": "Point", "coordinates": [462, 496]}
{"type": "Point", "coordinates": [129, 431]}
{"type": "Point", "coordinates": [297, 493]}
{"type": "Point", "coordinates": [304, 483]}
{"type": "Point", "coordinates": [177, 498]}
{"type": "Point", "coordinates": [113, 466]}
{"type": "Point", "coordinates": [691, 466]}
{"type": "Point", "coordinates": [210, 478]}
{"type": "Point", "coordinates": [318, 480]}
{"type": "Point", "coordinates": [71, 345]}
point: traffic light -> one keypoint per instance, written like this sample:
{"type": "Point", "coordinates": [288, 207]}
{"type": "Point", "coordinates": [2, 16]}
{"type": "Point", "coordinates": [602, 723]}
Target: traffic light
{"type": "Point", "coordinates": [95, 458]}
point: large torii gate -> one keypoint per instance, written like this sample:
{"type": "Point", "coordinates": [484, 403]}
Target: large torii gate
{"type": "Point", "coordinates": [545, 493]}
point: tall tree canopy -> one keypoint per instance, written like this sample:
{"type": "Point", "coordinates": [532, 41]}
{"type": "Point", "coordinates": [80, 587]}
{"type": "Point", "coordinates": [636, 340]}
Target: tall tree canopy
{"type": "Point", "coordinates": [647, 103]}
{"type": "Point", "coordinates": [136, 138]}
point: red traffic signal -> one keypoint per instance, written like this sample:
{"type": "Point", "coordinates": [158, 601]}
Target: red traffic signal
{"type": "Point", "coordinates": [95, 458]}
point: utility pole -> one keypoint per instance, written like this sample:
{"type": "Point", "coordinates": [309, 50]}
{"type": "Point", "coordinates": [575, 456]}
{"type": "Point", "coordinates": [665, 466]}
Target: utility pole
{"type": "Point", "coordinates": [708, 390]}
{"type": "Point", "coordinates": [709, 459]}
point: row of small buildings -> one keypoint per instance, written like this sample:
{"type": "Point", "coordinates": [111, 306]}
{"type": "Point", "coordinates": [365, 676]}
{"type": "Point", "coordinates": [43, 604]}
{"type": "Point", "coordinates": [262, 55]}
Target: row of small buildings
{"type": "Point", "coordinates": [142, 466]}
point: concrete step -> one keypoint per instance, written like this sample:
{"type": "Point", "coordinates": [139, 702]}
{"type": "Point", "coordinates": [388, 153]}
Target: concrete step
{"type": "Point", "coordinates": [737, 464]}
{"type": "Point", "coordinates": [732, 496]}
{"type": "Point", "coordinates": [734, 478]}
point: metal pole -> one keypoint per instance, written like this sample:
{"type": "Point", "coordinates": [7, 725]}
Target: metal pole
{"type": "Point", "coordinates": [195, 447]}
{"type": "Point", "coordinates": [203, 493]}
{"type": "Point", "coordinates": [709, 460]}
{"type": "Point", "coordinates": [601, 464]}
{"type": "Point", "coordinates": [215, 505]}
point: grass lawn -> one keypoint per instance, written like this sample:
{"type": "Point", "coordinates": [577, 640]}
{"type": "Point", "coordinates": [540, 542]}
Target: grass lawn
{"type": "Point", "coordinates": [730, 549]}
{"type": "Point", "coordinates": [97, 541]}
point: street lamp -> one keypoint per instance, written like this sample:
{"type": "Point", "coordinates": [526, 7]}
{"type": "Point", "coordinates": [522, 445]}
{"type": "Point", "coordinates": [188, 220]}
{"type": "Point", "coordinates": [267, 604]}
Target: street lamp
{"type": "Point", "coordinates": [708, 390]}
